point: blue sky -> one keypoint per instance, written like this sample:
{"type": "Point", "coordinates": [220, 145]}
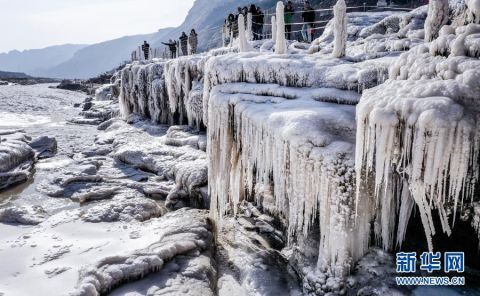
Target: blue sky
{"type": "Point", "coordinates": [27, 24]}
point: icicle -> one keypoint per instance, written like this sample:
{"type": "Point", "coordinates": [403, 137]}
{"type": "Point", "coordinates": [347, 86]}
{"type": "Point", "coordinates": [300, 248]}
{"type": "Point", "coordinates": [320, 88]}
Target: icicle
{"type": "Point", "coordinates": [274, 29]}
{"type": "Point", "coordinates": [340, 29]}
{"type": "Point", "coordinates": [249, 27]}
{"type": "Point", "coordinates": [280, 41]}
{"type": "Point", "coordinates": [242, 38]}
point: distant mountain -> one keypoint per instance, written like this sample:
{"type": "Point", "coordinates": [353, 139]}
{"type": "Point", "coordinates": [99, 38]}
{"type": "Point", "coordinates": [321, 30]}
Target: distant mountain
{"type": "Point", "coordinates": [36, 61]}
{"type": "Point", "coordinates": [98, 58]}
{"type": "Point", "coordinates": [206, 17]}
{"type": "Point", "coordinates": [5, 75]}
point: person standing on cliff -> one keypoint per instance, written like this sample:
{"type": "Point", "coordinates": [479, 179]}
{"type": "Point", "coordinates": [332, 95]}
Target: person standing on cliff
{"type": "Point", "coordinates": [308, 17]}
{"type": "Point", "coordinates": [193, 41]}
{"type": "Point", "coordinates": [261, 22]}
{"type": "Point", "coordinates": [172, 45]}
{"type": "Point", "coordinates": [184, 43]}
{"type": "Point", "coordinates": [288, 15]}
{"type": "Point", "coordinates": [146, 49]}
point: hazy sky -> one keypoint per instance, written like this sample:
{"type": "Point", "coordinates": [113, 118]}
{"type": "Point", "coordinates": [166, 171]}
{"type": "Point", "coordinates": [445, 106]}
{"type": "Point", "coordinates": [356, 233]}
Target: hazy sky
{"type": "Point", "coordinates": [27, 24]}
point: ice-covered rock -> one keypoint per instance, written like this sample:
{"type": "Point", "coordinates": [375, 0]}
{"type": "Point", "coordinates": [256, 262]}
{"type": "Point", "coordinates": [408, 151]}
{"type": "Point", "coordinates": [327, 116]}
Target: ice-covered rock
{"type": "Point", "coordinates": [121, 209]}
{"type": "Point", "coordinates": [104, 93]}
{"type": "Point", "coordinates": [184, 232]}
{"type": "Point", "coordinates": [22, 215]}
{"type": "Point", "coordinates": [16, 158]}
{"type": "Point", "coordinates": [45, 147]}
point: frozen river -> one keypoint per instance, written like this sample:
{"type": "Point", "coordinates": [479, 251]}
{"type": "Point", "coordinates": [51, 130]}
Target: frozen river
{"type": "Point", "coordinates": [90, 218]}
{"type": "Point", "coordinates": [41, 110]}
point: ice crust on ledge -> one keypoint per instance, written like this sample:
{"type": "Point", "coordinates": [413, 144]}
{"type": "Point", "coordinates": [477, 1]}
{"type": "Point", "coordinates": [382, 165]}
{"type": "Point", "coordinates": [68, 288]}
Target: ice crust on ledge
{"type": "Point", "coordinates": [292, 71]}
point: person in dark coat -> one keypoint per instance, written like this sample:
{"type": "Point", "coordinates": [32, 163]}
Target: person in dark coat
{"type": "Point", "coordinates": [146, 49]}
{"type": "Point", "coordinates": [253, 11]}
{"type": "Point", "coordinates": [184, 43]}
{"type": "Point", "coordinates": [172, 46]}
{"type": "Point", "coordinates": [193, 41]}
{"type": "Point", "coordinates": [261, 22]}
{"type": "Point", "coordinates": [245, 13]}
{"type": "Point", "coordinates": [288, 15]}
{"type": "Point", "coordinates": [308, 17]}
{"type": "Point", "coordinates": [230, 21]}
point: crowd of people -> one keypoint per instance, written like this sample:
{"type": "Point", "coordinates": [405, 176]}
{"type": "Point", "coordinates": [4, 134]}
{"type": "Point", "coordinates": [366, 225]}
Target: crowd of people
{"type": "Point", "coordinates": [186, 43]}
{"type": "Point", "coordinates": [258, 21]}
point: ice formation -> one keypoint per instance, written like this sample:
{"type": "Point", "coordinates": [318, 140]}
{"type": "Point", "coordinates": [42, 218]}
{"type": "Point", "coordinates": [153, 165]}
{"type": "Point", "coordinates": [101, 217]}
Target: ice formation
{"type": "Point", "coordinates": [44, 146]}
{"type": "Point", "coordinates": [140, 209]}
{"type": "Point", "coordinates": [242, 35]}
{"type": "Point", "coordinates": [268, 154]}
{"type": "Point", "coordinates": [375, 34]}
{"type": "Point", "coordinates": [280, 42]}
{"type": "Point", "coordinates": [418, 138]}
{"type": "Point", "coordinates": [249, 27]}
{"type": "Point", "coordinates": [26, 215]}
{"type": "Point", "coordinates": [104, 93]}
{"type": "Point", "coordinates": [273, 22]}
{"type": "Point", "coordinates": [438, 11]}
{"type": "Point", "coordinates": [340, 29]}
{"type": "Point", "coordinates": [167, 92]}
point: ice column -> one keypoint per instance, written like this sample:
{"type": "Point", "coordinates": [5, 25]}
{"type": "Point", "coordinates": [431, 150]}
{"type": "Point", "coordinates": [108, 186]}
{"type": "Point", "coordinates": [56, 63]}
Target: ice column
{"type": "Point", "coordinates": [242, 38]}
{"type": "Point", "coordinates": [437, 17]}
{"type": "Point", "coordinates": [280, 42]}
{"type": "Point", "coordinates": [249, 27]}
{"type": "Point", "coordinates": [340, 29]}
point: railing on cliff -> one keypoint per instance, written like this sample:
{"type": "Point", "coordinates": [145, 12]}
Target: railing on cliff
{"type": "Point", "coordinates": [322, 17]}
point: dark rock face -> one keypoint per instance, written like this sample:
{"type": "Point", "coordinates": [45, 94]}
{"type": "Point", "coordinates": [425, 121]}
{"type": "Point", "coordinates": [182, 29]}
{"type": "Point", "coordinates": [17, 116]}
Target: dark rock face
{"type": "Point", "coordinates": [45, 147]}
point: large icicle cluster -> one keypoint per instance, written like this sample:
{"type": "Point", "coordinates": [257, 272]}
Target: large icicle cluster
{"type": "Point", "coordinates": [418, 137]}
{"type": "Point", "coordinates": [165, 91]}
{"type": "Point", "coordinates": [294, 158]}
{"type": "Point", "coordinates": [143, 92]}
